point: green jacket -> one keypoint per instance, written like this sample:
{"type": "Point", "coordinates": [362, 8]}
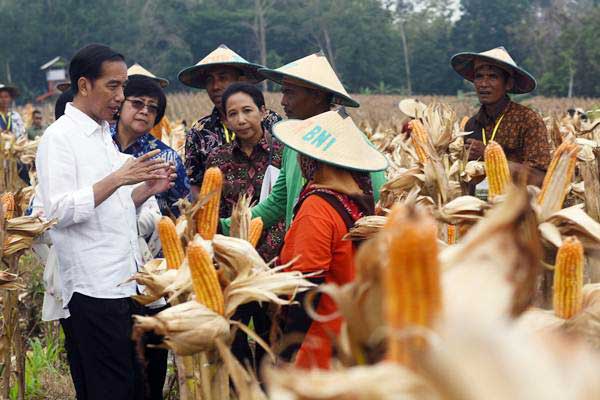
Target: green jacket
{"type": "Point", "coordinates": [285, 193]}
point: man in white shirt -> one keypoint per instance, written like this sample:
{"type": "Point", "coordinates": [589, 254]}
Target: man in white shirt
{"type": "Point", "coordinates": [88, 186]}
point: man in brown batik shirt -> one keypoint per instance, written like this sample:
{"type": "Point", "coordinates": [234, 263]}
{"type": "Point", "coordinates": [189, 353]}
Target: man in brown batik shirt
{"type": "Point", "coordinates": [519, 130]}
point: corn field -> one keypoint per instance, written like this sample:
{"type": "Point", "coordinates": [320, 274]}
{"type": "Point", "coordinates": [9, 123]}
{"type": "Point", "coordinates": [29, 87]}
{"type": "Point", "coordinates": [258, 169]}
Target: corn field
{"type": "Point", "coordinates": [455, 296]}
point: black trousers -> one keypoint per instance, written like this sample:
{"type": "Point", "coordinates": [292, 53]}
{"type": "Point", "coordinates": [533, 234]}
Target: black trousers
{"type": "Point", "coordinates": [262, 325]}
{"type": "Point", "coordinates": [155, 362]}
{"type": "Point", "coordinates": [101, 354]}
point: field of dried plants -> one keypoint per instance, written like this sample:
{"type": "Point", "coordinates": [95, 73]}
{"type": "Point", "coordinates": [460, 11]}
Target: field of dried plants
{"type": "Point", "coordinates": [376, 109]}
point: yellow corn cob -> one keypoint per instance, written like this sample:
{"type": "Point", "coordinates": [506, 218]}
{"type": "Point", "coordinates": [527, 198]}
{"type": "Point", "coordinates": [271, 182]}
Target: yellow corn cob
{"type": "Point", "coordinates": [171, 244]}
{"type": "Point", "coordinates": [568, 279]}
{"type": "Point", "coordinates": [419, 139]}
{"type": "Point", "coordinates": [207, 217]}
{"type": "Point", "coordinates": [204, 278]}
{"type": "Point", "coordinates": [255, 231]}
{"type": "Point", "coordinates": [8, 202]}
{"type": "Point", "coordinates": [412, 280]}
{"type": "Point", "coordinates": [496, 169]}
{"type": "Point", "coordinates": [558, 178]}
{"type": "Point", "coordinates": [451, 234]}
{"type": "Point", "coordinates": [463, 123]}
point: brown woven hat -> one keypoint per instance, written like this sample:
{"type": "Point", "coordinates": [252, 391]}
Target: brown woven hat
{"type": "Point", "coordinates": [195, 76]}
{"type": "Point", "coordinates": [333, 138]}
{"type": "Point", "coordinates": [313, 71]}
{"type": "Point", "coordinates": [14, 92]}
{"type": "Point", "coordinates": [464, 64]}
{"type": "Point", "coordinates": [137, 69]}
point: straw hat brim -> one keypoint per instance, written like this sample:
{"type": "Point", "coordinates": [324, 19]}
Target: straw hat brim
{"type": "Point", "coordinates": [14, 92]}
{"type": "Point", "coordinates": [464, 65]}
{"type": "Point", "coordinates": [412, 107]}
{"type": "Point", "coordinates": [195, 76]}
{"type": "Point", "coordinates": [338, 98]}
{"type": "Point", "coordinates": [355, 152]}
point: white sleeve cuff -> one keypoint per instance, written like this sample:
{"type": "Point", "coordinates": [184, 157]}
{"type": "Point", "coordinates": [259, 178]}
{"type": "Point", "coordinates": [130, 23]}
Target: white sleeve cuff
{"type": "Point", "coordinates": [83, 201]}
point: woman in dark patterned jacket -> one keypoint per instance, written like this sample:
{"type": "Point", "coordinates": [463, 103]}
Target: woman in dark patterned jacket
{"type": "Point", "coordinates": [244, 163]}
{"type": "Point", "coordinates": [245, 160]}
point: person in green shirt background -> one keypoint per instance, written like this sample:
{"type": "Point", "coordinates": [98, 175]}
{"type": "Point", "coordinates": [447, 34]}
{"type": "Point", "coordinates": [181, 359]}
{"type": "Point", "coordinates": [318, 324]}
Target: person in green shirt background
{"type": "Point", "coordinates": [310, 87]}
{"type": "Point", "coordinates": [36, 129]}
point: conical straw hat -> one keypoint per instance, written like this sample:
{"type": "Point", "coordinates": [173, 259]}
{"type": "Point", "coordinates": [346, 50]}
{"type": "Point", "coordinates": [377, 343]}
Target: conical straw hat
{"type": "Point", "coordinates": [313, 71]}
{"type": "Point", "coordinates": [137, 69]}
{"type": "Point", "coordinates": [412, 108]}
{"type": "Point", "coordinates": [464, 64]}
{"type": "Point", "coordinates": [332, 138]}
{"type": "Point", "coordinates": [195, 76]}
{"type": "Point", "coordinates": [14, 92]}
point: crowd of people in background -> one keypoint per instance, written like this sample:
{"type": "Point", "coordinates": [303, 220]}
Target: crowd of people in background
{"type": "Point", "coordinates": [106, 177]}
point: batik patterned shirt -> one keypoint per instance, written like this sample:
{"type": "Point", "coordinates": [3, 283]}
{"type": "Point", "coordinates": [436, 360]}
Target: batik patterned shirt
{"type": "Point", "coordinates": [521, 133]}
{"type": "Point", "coordinates": [146, 143]}
{"type": "Point", "coordinates": [207, 134]}
{"type": "Point", "coordinates": [243, 174]}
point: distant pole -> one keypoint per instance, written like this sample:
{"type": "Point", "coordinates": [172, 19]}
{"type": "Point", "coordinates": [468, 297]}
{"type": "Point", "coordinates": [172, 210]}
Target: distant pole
{"type": "Point", "coordinates": [406, 61]}
{"type": "Point", "coordinates": [8, 77]}
{"type": "Point", "coordinates": [571, 78]}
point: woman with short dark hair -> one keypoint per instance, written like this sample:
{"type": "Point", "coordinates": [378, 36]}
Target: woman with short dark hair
{"type": "Point", "coordinates": [144, 106]}
{"type": "Point", "coordinates": [249, 164]}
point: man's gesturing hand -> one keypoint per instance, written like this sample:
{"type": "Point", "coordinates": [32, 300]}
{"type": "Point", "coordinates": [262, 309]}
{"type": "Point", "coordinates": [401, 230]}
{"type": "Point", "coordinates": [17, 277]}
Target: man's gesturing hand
{"type": "Point", "coordinates": [142, 169]}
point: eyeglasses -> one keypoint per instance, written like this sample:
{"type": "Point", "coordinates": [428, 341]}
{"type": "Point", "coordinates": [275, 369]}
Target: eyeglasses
{"type": "Point", "coordinates": [139, 105]}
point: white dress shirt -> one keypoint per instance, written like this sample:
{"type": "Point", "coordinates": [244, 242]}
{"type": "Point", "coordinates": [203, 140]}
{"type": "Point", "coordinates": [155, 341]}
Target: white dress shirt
{"type": "Point", "coordinates": [97, 247]}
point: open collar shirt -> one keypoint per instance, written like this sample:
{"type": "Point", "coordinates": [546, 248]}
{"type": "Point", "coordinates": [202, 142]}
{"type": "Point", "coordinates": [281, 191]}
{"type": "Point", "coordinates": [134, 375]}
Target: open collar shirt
{"type": "Point", "coordinates": [12, 122]}
{"type": "Point", "coordinates": [97, 246]}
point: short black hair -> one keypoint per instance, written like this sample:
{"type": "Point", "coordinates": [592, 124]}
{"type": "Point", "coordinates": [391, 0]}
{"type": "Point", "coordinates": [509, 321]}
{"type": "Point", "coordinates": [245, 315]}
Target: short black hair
{"type": "Point", "coordinates": [243, 87]}
{"type": "Point", "coordinates": [139, 85]}
{"type": "Point", "coordinates": [64, 98]}
{"type": "Point", "coordinates": [35, 112]}
{"type": "Point", "coordinates": [87, 62]}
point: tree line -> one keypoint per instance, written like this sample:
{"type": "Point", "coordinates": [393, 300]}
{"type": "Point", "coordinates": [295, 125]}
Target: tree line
{"type": "Point", "coordinates": [376, 46]}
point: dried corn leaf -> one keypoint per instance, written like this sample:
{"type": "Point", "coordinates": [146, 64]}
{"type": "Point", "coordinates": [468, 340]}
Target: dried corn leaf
{"type": "Point", "coordinates": [264, 285]}
{"type": "Point", "coordinates": [365, 227]}
{"type": "Point", "coordinates": [240, 218]}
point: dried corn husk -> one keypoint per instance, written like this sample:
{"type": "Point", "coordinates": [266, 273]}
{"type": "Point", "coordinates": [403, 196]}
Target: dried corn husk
{"type": "Point", "coordinates": [29, 226]}
{"type": "Point", "coordinates": [236, 256]}
{"type": "Point", "coordinates": [380, 381]}
{"type": "Point", "coordinates": [10, 281]}
{"type": "Point", "coordinates": [462, 209]}
{"type": "Point", "coordinates": [365, 227]}
{"type": "Point", "coordinates": [188, 328]}
{"type": "Point", "coordinates": [240, 218]}
{"type": "Point", "coordinates": [492, 272]}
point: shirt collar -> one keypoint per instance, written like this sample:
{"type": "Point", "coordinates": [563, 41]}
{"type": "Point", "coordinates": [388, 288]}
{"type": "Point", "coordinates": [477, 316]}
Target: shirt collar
{"type": "Point", "coordinates": [488, 114]}
{"type": "Point", "coordinates": [85, 121]}
{"type": "Point", "coordinates": [261, 144]}
{"type": "Point", "coordinates": [139, 141]}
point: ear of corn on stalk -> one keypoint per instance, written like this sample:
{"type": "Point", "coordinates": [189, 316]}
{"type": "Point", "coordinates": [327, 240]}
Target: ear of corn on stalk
{"type": "Point", "coordinates": [171, 244]}
{"type": "Point", "coordinates": [8, 202]}
{"type": "Point", "coordinates": [419, 138]}
{"type": "Point", "coordinates": [412, 280]}
{"type": "Point", "coordinates": [204, 278]}
{"type": "Point", "coordinates": [451, 232]}
{"type": "Point", "coordinates": [207, 218]}
{"type": "Point", "coordinates": [256, 228]}
{"type": "Point", "coordinates": [496, 169]}
{"type": "Point", "coordinates": [568, 279]}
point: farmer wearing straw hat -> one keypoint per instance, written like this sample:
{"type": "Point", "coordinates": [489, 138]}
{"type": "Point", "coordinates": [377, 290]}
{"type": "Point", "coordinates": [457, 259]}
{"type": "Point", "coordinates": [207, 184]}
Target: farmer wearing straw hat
{"type": "Point", "coordinates": [215, 73]}
{"type": "Point", "coordinates": [310, 87]}
{"type": "Point", "coordinates": [333, 155]}
{"type": "Point", "coordinates": [10, 120]}
{"type": "Point", "coordinates": [519, 130]}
